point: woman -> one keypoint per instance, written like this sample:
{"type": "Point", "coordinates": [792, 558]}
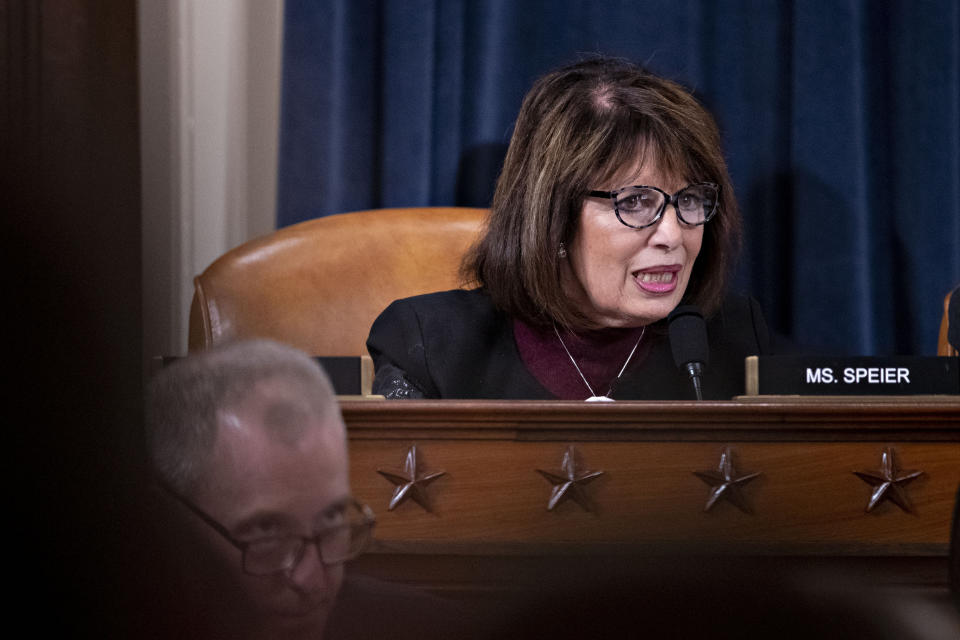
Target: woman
{"type": "Point", "coordinates": [614, 206]}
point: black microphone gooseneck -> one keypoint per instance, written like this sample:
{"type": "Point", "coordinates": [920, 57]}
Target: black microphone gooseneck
{"type": "Point", "coordinates": [688, 340]}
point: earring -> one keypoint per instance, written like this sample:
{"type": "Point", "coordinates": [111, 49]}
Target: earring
{"type": "Point", "coordinates": [563, 251]}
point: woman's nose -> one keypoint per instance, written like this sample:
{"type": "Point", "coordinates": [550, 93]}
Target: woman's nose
{"type": "Point", "coordinates": [668, 231]}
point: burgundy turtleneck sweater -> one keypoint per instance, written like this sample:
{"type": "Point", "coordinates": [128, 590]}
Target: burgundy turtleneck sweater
{"type": "Point", "coordinates": [600, 355]}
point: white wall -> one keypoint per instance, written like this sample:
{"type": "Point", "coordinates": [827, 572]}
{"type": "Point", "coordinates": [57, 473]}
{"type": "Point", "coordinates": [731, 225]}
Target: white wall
{"type": "Point", "coordinates": [209, 100]}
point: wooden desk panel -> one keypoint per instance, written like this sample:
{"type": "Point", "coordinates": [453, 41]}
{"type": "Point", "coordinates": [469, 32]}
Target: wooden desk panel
{"type": "Point", "coordinates": [807, 499]}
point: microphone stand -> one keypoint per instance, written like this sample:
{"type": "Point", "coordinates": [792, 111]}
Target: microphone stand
{"type": "Point", "coordinates": [688, 341]}
{"type": "Point", "coordinates": [695, 370]}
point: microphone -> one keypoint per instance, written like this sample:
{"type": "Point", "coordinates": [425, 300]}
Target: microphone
{"type": "Point", "coordinates": [688, 340]}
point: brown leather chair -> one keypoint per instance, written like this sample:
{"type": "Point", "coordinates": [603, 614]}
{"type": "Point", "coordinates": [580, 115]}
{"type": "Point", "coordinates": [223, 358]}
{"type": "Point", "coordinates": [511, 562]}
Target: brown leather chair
{"type": "Point", "coordinates": [944, 348]}
{"type": "Point", "coordinates": [320, 284]}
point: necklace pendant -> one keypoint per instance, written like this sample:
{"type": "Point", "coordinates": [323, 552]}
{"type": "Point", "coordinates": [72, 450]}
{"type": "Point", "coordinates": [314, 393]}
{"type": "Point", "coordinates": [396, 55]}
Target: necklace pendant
{"type": "Point", "coordinates": [593, 396]}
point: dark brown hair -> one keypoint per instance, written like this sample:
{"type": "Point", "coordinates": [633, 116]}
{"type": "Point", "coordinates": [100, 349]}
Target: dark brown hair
{"type": "Point", "coordinates": [579, 127]}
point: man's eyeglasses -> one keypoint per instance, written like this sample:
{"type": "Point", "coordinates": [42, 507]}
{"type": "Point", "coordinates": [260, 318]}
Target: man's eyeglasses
{"type": "Point", "coordinates": [278, 554]}
{"type": "Point", "coordinates": [642, 206]}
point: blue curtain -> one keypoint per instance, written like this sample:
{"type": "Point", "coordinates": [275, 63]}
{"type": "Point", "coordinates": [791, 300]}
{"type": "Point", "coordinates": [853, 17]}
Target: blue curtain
{"type": "Point", "coordinates": [841, 121]}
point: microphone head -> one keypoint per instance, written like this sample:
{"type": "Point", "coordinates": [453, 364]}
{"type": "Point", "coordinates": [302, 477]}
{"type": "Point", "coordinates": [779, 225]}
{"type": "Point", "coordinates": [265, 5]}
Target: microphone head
{"type": "Point", "coordinates": [688, 336]}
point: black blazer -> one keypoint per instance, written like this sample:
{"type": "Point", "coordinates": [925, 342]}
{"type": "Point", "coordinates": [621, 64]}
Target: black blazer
{"type": "Point", "coordinates": [456, 344]}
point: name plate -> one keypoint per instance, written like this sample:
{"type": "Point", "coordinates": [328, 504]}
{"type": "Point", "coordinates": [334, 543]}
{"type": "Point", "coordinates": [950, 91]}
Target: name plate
{"type": "Point", "coordinates": [852, 376]}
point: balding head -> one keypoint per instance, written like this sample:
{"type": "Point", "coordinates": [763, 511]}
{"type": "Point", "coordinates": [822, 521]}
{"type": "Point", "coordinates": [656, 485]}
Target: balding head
{"type": "Point", "coordinates": [188, 401]}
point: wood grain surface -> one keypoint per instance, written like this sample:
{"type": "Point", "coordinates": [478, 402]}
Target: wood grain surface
{"type": "Point", "coordinates": [807, 499]}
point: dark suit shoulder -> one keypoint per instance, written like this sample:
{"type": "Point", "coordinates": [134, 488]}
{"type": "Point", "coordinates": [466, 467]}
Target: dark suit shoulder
{"type": "Point", "coordinates": [371, 608]}
{"type": "Point", "coordinates": [453, 305]}
{"type": "Point", "coordinates": [449, 344]}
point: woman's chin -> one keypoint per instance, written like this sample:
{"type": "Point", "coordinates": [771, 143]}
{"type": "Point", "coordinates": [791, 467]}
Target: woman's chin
{"type": "Point", "coordinates": [651, 309]}
{"type": "Point", "coordinates": [635, 308]}
{"type": "Point", "coordinates": [632, 318]}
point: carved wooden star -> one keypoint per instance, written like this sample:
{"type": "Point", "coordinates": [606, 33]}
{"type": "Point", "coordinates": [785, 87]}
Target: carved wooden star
{"type": "Point", "coordinates": [725, 483]}
{"type": "Point", "coordinates": [411, 482]}
{"type": "Point", "coordinates": [888, 482]}
{"type": "Point", "coordinates": [569, 482]}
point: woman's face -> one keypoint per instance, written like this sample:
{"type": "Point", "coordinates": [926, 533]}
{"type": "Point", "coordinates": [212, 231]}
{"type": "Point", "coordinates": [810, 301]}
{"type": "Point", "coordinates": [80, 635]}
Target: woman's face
{"type": "Point", "coordinates": [625, 277]}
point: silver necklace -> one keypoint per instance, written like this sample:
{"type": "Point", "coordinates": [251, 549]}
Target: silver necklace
{"type": "Point", "coordinates": [593, 396]}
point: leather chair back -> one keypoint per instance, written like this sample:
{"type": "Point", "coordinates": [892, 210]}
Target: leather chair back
{"type": "Point", "coordinates": [319, 285]}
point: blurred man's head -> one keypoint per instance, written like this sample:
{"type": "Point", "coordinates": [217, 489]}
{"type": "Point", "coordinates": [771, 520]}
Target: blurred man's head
{"type": "Point", "coordinates": [249, 441]}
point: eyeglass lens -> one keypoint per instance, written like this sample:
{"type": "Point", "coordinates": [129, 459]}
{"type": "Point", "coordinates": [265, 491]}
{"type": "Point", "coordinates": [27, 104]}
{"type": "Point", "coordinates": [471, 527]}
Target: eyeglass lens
{"type": "Point", "coordinates": [273, 555]}
{"type": "Point", "coordinates": [642, 206]}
